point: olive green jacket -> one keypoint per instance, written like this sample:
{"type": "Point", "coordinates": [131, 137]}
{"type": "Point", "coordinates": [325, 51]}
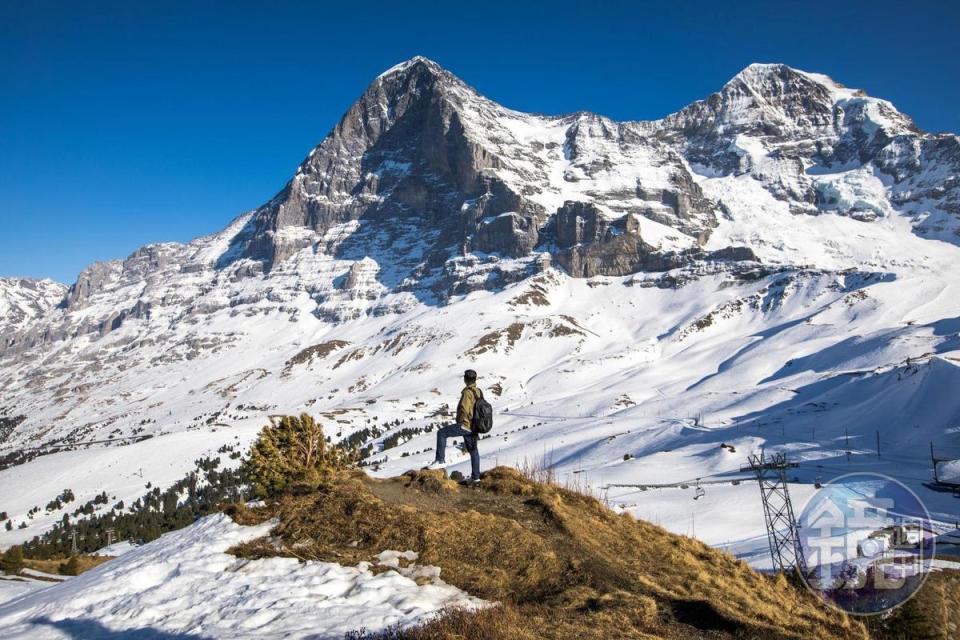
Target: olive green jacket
{"type": "Point", "coordinates": [468, 398]}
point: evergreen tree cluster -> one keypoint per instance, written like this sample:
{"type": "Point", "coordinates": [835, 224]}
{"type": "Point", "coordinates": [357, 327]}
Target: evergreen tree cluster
{"type": "Point", "coordinates": [16, 458]}
{"type": "Point", "coordinates": [393, 440]}
{"type": "Point", "coordinates": [8, 424]}
{"type": "Point", "coordinates": [64, 498]}
{"type": "Point", "coordinates": [362, 441]}
{"type": "Point", "coordinates": [89, 507]}
{"type": "Point", "coordinates": [397, 438]}
{"type": "Point", "coordinates": [154, 513]}
{"type": "Point", "coordinates": [290, 452]}
{"type": "Point", "coordinates": [235, 454]}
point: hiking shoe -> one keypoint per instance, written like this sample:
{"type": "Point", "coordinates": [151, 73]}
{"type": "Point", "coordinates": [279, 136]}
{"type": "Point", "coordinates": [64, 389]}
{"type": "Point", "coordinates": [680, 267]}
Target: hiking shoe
{"type": "Point", "coordinates": [470, 482]}
{"type": "Point", "coordinates": [436, 464]}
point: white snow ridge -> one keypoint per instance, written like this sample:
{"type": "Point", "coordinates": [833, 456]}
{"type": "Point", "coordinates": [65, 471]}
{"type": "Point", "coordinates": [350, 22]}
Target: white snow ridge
{"type": "Point", "coordinates": [185, 586]}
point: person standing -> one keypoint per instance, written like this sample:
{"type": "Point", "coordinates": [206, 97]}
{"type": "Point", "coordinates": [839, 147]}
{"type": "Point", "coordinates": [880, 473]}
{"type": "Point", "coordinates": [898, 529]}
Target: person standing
{"type": "Point", "coordinates": [462, 428]}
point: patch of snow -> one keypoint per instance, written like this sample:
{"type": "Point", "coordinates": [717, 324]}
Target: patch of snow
{"type": "Point", "coordinates": [949, 471]}
{"type": "Point", "coordinates": [185, 583]}
{"type": "Point", "coordinates": [117, 548]}
{"type": "Point", "coordinates": [12, 588]}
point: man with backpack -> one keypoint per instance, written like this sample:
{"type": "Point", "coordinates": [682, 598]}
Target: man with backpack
{"type": "Point", "coordinates": [474, 417]}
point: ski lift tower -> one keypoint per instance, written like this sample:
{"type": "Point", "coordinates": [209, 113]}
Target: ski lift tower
{"type": "Point", "coordinates": [782, 531]}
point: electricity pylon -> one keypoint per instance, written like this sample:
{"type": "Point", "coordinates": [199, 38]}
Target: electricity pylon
{"type": "Point", "coordinates": [783, 534]}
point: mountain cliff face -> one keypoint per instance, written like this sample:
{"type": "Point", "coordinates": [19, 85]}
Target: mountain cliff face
{"type": "Point", "coordinates": [565, 256]}
{"type": "Point", "coordinates": [421, 145]}
{"type": "Point", "coordinates": [818, 147]}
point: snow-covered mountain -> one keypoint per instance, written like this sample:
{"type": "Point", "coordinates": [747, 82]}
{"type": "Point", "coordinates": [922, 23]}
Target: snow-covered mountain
{"type": "Point", "coordinates": [772, 266]}
{"type": "Point", "coordinates": [25, 300]}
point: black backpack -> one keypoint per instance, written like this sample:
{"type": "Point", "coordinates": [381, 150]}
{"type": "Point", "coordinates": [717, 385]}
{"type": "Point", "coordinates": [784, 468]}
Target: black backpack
{"type": "Point", "coordinates": [482, 420]}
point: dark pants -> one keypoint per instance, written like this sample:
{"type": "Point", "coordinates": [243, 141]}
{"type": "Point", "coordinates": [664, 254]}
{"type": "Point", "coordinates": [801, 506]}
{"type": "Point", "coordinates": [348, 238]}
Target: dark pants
{"type": "Point", "coordinates": [469, 440]}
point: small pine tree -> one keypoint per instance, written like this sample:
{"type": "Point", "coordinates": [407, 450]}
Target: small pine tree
{"type": "Point", "coordinates": [292, 453]}
{"type": "Point", "coordinates": [9, 525]}
{"type": "Point", "coordinates": [12, 560]}
{"type": "Point", "coordinates": [71, 567]}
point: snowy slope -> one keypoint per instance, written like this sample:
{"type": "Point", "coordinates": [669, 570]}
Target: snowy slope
{"type": "Point", "coordinates": [25, 300]}
{"type": "Point", "coordinates": [388, 265]}
{"type": "Point", "coordinates": [185, 584]}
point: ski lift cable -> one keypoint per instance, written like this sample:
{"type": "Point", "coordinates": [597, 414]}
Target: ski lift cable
{"type": "Point", "coordinates": [126, 440]}
{"type": "Point", "coordinates": [848, 470]}
{"type": "Point", "coordinates": [704, 480]}
{"type": "Point", "coordinates": [694, 481]}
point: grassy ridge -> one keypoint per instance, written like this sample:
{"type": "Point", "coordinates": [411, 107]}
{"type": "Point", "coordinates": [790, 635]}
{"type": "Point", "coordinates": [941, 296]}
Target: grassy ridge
{"type": "Point", "coordinates": [561, 564]}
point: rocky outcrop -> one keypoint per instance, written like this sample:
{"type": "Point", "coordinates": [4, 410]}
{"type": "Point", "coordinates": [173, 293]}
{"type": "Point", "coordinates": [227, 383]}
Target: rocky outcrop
{"type": "Point", "coordinates": [591, 244]}
{"type": "Point", "coordinates": [90, 281]}
{"type": "Point", "coordinates": [400, 151]}
{"type": "Point", "coordinates": [684, 206]}
{"type": "Point", "coordinates": [733, 254]}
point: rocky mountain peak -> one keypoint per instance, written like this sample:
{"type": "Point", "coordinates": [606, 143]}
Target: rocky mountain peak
{"type": "Point", "coordinates": [771, 78]}
{"type": "Point", "coordinates": [768, 99]}
{"type": "Point", "coordinates": [422, 149]}
{"type": "Point", "coordinates": [419, 77]}
{"type": "Point", "coordinates": [400, 150]}
{"type": "Point", "coordinates": [416, 64]}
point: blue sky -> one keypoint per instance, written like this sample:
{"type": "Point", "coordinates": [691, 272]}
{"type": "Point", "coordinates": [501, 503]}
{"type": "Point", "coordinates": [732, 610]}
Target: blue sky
{"type": "Point", "coordinates": [123, 123]}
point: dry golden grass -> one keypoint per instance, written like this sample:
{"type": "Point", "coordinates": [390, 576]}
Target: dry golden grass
{"type": "Point", "coordinates": [563, 565]}
{"type": "Point", "coordinates": [494, 623]}
{"type": "Point", "coordinates": [85, 563]}
{"type": "Point", "coordinates": [932, 614]}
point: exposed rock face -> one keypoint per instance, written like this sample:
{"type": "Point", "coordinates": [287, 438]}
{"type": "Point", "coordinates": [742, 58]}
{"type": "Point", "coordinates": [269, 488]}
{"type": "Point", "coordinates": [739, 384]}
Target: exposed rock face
{"type": "Point", "coordinates": [421, 145]}
{"type": "Point", "coordinates": [91, 281]}
{"type": "Point", "coordinates": [509, 233]}
{"type": "Point", "coordinates": [735, 254]}
{"type": "Point", "coordinates": [400, 151]}
{"type": "Point", "coordinates": [591, 244]}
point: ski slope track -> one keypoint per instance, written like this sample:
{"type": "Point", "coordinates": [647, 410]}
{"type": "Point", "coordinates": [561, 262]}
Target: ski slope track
{"type": "Point", "coordinates": [774, 267]}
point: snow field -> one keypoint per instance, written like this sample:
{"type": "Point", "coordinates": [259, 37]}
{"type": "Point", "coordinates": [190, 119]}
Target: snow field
{"type": "Point", "coordinates": [185, 583]}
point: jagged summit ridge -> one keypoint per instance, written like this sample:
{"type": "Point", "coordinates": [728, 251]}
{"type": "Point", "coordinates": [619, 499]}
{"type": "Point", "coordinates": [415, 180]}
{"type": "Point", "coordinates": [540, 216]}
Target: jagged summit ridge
{"type": "Point", "coordinates": [417, 63]}
{"type": "Point", "coordinates": [422, 144]}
